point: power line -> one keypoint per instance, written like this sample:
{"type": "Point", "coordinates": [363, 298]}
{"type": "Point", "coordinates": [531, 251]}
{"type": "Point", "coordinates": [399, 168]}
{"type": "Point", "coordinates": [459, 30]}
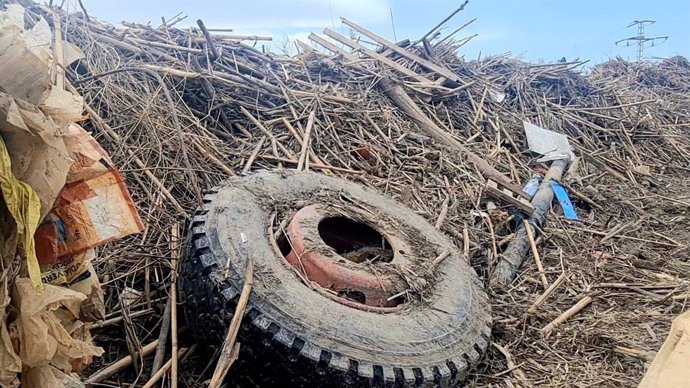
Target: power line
{"type": "Point", "coordinates": [395, 37]}
{"type": "Point", "coordinates": [640, 40]}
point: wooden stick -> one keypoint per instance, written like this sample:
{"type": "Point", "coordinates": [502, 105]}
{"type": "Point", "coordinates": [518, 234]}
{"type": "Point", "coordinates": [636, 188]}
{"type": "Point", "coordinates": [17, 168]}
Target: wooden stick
{"type": "Point", "coordinates": [466, 242]}
{"type": "Point", "coordinates": [505, 240]}
{"type": "Point", "coordinates": [228, 354]}
{"type": "Point", "coordinates": [455, 31]}
{"type": "Point", "coordinates": [213, 159]}
{"type": "Point", "coordinates": [86, 14]}
{"type": "Point", "coordinates": [235, 354]}
{"type": "Point", "coordinates": [312, 165]}
{"type": "Point", "coordinates": [162, 338]}
{"type": "Point", "coordinates": [511, 364]}
{"type": "Point", "coordinates": [266, 132]}
{"type": "Point", "coordinates": [438, 261]}
{"type": "Point", "coordinates": [616, 230]}
{"type": "Point", "coordinates": [168, 314]}
{"type": "Point", "coordinates": [255, 153]}
{"type": "Point", "coordinates": [112, 321]}
{"type": "Point", "coordinates": [165, 45]}
{"type": "Point", "coordinates": [599, 233]}
{"type": "Point", "coordinates": [175, 254]}
{"type": "Point", "coordinates": [443, 71]}
{"type": "Point", "coordinates": [209, 40]}
{"type": "Point", "coordinates": [239, 37]}
{"type": "Point", "coordinates": [302, 163]}
{"type": "Point", "coordinates": [444, 212]}
{"type": "Point", "coordinates": [603, 166]}
{"type": "Point", "coordinates": [58, 67]}
{"type": "Point", "coordinates": [681, 297]}
{"type": "Point", "coordinates": [312, 156]}
{"type": "Point", "coordinates": [533, 308]}
{"type": "Point", "coordinates": [631, 287]}
{"type": "Point", "coordinates": [118, 43]}
{"type": "Point", "coordinates": [373, 54]}
{"type": "Point", "coordinates": [584, 302]}
{"type": "Point", "coordinates": [119, 365]}
{"type": "Point", "coordinates": [666, 238]}
{"type": "Point", "coordinates": [164, 369]}
{"type": "Point", "coordinates": [492, 234]}
{"type": "Point", "coordinates": [642, 354]}
{"type": "Point", "coordinates": [293, 131]}
{"type": "Point", "coordinates": [331, 47]}
{"type": "Point", "coordinates": [535, 253]}
{"type": "Point", "coordinates": [303, 47]}
{"type": "Point", "coordinates": [442, 22]}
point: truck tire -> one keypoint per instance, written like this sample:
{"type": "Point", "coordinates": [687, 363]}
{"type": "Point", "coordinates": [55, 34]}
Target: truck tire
{"type": "Point", "coordinates": [296, 336]}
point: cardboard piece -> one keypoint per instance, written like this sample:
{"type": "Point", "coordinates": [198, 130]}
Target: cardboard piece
{"type": "Point", "coordinates": [50, 170]}
{"type": "Point", "coordinates": [671, 366]}
{"type": "Point", "coordinates": [43, 336]}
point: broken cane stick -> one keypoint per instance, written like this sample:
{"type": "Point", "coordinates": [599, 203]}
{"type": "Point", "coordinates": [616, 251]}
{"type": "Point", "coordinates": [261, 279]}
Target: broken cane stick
{"type": "Point", "coordinates": [533, 308]}
{"type": "Point", "coordinates": [175, 253]}
{"type": "Point", "coordinates": [228, 353]}
{"type": "Point", "coordinates": [584, 302]}
{"type": "Point", "coordinates": [535, 253]}
{"type": "Point", "coordinates": [164, 369]}
{"type": "Point", "coordinates": [303, 163]}
{"type": "Point", "coordinates": [119, 365]}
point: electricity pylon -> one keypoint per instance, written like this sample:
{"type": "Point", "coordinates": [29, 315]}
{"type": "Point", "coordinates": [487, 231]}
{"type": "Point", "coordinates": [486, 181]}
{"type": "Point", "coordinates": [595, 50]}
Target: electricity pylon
{"type": "Point", "coordinates": [640, 40]}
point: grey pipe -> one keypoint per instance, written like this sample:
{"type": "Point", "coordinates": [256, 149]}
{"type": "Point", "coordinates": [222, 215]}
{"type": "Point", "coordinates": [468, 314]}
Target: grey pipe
{"type": "Point", "coordinates": [511, 259]}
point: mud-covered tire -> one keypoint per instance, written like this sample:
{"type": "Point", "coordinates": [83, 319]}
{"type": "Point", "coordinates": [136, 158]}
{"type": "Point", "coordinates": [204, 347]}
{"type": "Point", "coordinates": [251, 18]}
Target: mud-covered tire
{"type": "Point", "coordinates": [298, 337]}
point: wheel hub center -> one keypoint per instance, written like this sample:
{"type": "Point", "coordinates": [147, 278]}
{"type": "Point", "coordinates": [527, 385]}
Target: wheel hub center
{"type": "Point", "coordinates": [342, 252]}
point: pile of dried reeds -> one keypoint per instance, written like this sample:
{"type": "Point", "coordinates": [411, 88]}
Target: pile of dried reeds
{"type": "Point", "coordinates": [181, 109]}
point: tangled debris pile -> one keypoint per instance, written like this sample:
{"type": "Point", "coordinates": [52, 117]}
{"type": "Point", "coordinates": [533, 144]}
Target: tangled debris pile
{"type": "Point", "coordinates": [181, 109]}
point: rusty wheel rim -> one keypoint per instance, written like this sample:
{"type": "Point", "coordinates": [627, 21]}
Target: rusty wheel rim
{"type": "Point", "coordinates": [340, 250]}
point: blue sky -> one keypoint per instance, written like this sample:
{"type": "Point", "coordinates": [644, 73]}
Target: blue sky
{"type": "Point", "coordinates": [537, 30]}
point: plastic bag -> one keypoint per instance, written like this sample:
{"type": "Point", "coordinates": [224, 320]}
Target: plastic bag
{"type": "Point", "coordinates": [93, 208]}
{"type": "Point", "coordinates": [50, 332]}
{"type": "Point", "coordinates": [25, 208]}
{"type": "Point", "coordinates": [10, 363]}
